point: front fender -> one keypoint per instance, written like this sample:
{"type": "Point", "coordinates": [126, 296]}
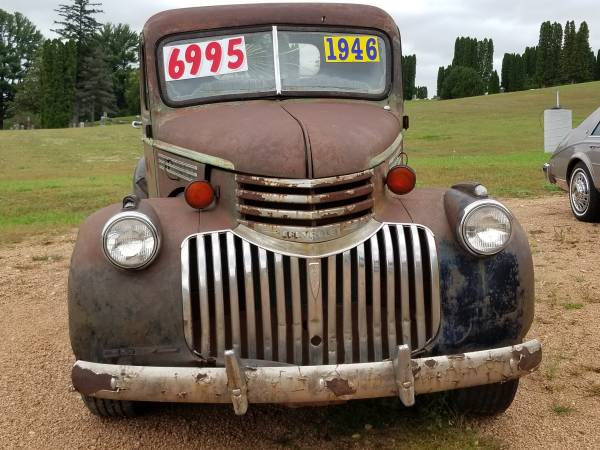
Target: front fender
{"type": "Point", "coordinates": [486, 301]}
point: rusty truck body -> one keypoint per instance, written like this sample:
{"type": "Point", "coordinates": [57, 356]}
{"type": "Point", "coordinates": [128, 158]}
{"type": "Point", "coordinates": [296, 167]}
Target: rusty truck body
{"type": "Point", "coordinates": [274, 250]}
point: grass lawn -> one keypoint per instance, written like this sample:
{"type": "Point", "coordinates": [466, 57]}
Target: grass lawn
{"type": "Point", "coordinates": [496, 139]}
{"type": "Point", "coordinates": [51, 179]}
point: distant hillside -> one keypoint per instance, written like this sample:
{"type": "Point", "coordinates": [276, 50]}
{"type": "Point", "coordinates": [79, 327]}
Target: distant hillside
{"type": "Point", "coordinates": [496, 139]}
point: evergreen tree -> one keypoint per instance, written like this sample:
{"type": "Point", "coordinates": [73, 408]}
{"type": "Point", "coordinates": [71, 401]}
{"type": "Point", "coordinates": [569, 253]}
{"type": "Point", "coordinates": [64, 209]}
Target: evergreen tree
{"type": "Point", "coordinates": [494, 84]}
{"type": "Point", "coordinates": [120, 44]}
{"type": "Point", "coordinates": [409, 73]}
{"type": "Point", "coordinates": [421, 92]}
{"type": "Point", "coordinates": [57, 83]}
{"type": "Point", "coordinates": [95, 92]}
{"type": "Point", "coordinates": [555, 52]}
{"type": "Point", "coordinates": [78, 24]}
{"type": "Point", "coordinates": [462, 82]}
{"type": "Point", "coordinates": [132, 93]}
{"type": "Point", "coordinates": [583, 55]}
{"type": "Point", "coordinates": [549, 54]}
{"type": "Point", "coordinates": [568, 59]}
{"type": "Point", "coordinates": [529, 62]}
{"type": "Point", "coordinates": [506, 71]}
{"type": "Point", "coordinates": [440, 81]}
{"type": "Point", "coordinates": [25, 108]}
{"type": "Point", "coordinates": [19, 40]}
{"type": "Point", "coordinates": [597, 77]}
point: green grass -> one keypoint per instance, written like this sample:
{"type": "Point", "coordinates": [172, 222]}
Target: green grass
{"type": "Point", "coordinates": [495, 139]}
{"type": "Point", "coordinates": [51, 180]}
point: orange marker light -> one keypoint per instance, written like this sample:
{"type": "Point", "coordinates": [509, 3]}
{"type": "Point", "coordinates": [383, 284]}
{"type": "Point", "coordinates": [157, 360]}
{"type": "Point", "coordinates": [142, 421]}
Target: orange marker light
{"type": "Point", "coordinates": [199, 194]}
{"type": "Point", "coordinates": [401, 180]}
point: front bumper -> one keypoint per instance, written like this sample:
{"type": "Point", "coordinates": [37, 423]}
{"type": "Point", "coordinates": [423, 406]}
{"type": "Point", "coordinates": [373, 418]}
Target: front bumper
{"type": "Point", "coordinates": [549, 177]}
{"type": "Point", "coordinates": [290, 384]}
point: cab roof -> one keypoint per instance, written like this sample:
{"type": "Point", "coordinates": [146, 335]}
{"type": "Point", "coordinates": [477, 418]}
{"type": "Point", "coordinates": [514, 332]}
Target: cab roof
{"type": "Point", "coordinates": [185, 20]}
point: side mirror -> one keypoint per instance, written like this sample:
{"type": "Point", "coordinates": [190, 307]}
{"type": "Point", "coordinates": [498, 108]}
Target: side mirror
{"type": "Point", "coordinates": [405, 122]}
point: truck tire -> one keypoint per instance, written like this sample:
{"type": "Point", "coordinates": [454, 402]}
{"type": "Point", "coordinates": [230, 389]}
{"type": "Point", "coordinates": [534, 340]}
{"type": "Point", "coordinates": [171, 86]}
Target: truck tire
{"type": "Point", "coordinates": [583, 196]}
{"type": "Point", "coordinates": [111, 408]}
{"type": "Point", "coordinates": [486, 400]}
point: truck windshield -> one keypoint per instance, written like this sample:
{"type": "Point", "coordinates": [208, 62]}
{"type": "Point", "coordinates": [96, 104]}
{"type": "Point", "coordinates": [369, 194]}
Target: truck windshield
{"type": "Point", "coordinates": [274, 62]}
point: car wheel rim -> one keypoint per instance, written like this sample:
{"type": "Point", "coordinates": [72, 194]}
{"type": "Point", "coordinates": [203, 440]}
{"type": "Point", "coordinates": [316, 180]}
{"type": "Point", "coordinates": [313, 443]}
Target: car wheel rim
{"type": "Point", "coordinates": [580, 192]}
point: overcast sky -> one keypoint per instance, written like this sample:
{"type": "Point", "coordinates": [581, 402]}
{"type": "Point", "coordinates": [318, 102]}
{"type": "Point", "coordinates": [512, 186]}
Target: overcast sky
{"type": "Point", "coordinates": [428, 27]}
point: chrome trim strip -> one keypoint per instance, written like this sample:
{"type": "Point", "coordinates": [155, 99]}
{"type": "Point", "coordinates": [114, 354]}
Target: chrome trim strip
{"type": "Point", "coordinates": [186, 297]}
{"type": "Point", "coordinates": [249, 292]}
{"type": "Point", "coordinates": [435, 285]}
{"type": "Point", "coordinates": [388, 152]}
{"type": "Point", "coordinates": [347, 311]}
{"type": "Point", "coordinates": [308, 199]}
{"type": "Point", "coordinates": [376, 298]}
{"type": "Point", "coordinates": [265, 302]}
{"type": "Point", "coordinates": [296, 310]}
{"type": "Point", "coordinates": [276, 67]}
{"type": "Point", "coordinates": [418, 283]}
{"type": "Point", "coordinates": [315, 311]}
{"type": "Point", "coordinates": [169, 163]}
{"type": "Point", "coordinates": [390, 290]}
{"type": "Point", "coordinates": [362, 305]}
{"type": "Point", "coordinates": [168, 158]}
{"type": "Point", "coordinates": [234, 306]}
{"type": "Point", "coordinates": [404, 288]}
{"type": "Point", "coordinates": [189, 154]}
{"type": "Point", "coordinates": [280, 297]}
{"type": "Point", "coordinates": [304, 182]}
{"type": "Point", "coordinates": [203, 292]}
{"type": "Point", "coordinates": [293, 214]}
{"type": "Point", "coordinates": [219, 305]}
{"type": "Point", "coordinates": [174, 172]}
{"type": "Point", "coordinates": [331, 309]}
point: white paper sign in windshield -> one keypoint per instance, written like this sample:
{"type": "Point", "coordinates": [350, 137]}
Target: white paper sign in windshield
{"type": "Point", "coordinates": [203, 59]}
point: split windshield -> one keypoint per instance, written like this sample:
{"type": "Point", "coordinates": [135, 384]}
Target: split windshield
{"type": "Point", "coordinates": [274, 62]}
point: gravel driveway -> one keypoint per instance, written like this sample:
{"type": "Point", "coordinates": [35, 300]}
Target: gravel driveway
{"type": "Point", "coordinates": [556, 407]}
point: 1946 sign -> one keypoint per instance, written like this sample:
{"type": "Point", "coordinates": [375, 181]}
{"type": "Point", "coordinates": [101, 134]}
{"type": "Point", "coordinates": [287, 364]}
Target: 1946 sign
{"type": "Point", "coordinates": [203, 59]}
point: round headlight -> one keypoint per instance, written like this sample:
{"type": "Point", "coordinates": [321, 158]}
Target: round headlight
{"type": "Point", "coordinates": [130, 240]}
{"type": "Point", "coordinates": [486, 227]}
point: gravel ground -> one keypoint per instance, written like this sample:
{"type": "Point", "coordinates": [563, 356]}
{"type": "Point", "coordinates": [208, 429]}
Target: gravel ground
{"type": "Point", "coordinates": [556, 407]}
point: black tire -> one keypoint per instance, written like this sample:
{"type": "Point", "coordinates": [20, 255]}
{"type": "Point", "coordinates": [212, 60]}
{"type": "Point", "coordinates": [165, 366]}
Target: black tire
{"type": "Point", "coordinates": [486, 400]}
{"type": "Point", "coordinates": [111, 408]}
{"type": "Point", "coordinates": [583, 196]}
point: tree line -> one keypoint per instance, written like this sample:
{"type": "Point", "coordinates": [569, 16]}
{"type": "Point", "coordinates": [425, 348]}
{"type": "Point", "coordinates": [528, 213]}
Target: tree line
{"type": "Point", "coordinates": [89, 70]}
{"type": "Point", "coordinates": [562, 56]}
{"type": "Point", "coordinates": [409, 75]}
{"type": "Point", "coordinates": [471, 72]}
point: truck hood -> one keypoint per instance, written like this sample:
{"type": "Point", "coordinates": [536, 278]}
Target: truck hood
{"type": "Point", "coordinates": [284, 139]}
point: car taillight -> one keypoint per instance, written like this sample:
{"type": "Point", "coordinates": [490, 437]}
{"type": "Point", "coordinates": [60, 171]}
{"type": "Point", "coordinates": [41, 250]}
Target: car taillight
{"type": "Point", "coordinates": [401, 179]}
{"type": "Point", "coordinates": [199, 194]}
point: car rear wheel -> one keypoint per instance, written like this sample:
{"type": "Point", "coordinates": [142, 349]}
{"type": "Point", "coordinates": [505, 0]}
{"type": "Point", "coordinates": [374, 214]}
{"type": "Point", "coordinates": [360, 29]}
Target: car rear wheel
{"type": "Point", "coordinates": [486, 400]}
{"type": "Point", "coordinates": [111, 408]}
{"type": "Point", "coordinates": [583, 196]}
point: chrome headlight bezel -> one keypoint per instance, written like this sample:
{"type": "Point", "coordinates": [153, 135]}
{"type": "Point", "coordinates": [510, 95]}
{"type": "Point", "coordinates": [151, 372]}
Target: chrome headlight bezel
{"type": "Point", "coordinates": [140, 217]}
{"type": "Point", "coordinates": [468, 211]}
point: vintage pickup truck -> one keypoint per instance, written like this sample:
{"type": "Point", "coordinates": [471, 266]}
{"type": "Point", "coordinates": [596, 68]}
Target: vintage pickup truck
{"type": "Point", "coordinates": [274, 250]}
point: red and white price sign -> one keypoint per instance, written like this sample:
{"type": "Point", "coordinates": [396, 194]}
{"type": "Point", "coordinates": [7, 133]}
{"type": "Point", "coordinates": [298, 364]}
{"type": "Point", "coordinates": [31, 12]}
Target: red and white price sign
{"type": "Point", "coordinates": [203, 59]}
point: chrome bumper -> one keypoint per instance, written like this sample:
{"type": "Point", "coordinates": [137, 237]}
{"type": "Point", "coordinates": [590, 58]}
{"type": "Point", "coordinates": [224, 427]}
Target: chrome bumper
{"type": "Point", "coordinates": [549, 177]}
{"type": "Point", "coordinates": [241, 385]}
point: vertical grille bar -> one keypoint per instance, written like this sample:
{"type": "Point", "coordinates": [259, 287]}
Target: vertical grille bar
{"type": "Point", "coordinates": [404, 288]}
{"type": "Point", "coordinates": [390, 291]}
{"type": "Point", "coordinates": [234, 306]}
{"type": "Point", "coordinates": [218, 284]}
{"type": "Point", "coordinates": [203, 294]}
{"type": "Point", "coordinates": [186, 296]}
{"type": "Point", "coordinates": [376, 308]}
{"type": "Point", "coordinates": [435, 285]}
{"type": "Point", "coordinates": [315, 312]}
{"type": "Point", "coordinates": [418, 282]}
{"type": "Point", "coordinates": [281, 324]}
{"type": "Point", "coordinates": [363, 349]}
{"type": "Point", "coordinates": [265, 304]}
{"type": "Point", "coordinates": [249, 291]}
{"type": "Point", "coordinates": [347, 323]}
{"type": "Point", "coordinates": [331, 310]}
{"type": "Point", "coordinates": [296, 310]}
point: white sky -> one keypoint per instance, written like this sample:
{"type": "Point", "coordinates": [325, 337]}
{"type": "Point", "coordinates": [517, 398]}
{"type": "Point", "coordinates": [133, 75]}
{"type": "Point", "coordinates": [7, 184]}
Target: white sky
{"type": "Point", "coordinates": [428, 27]}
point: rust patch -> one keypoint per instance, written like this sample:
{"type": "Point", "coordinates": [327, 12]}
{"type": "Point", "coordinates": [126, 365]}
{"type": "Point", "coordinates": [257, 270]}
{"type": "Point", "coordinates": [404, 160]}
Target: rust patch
{"type": "Point", "coordinates": [87, 382]}
{"type": "Point", "coordinates": [339, 387]}
{"type": "Point", "coordinates": [430, 363]}
{"type": "Point", "coordinates": [527, 361]}
{"type": "Point", "coordinates": [200, 377]}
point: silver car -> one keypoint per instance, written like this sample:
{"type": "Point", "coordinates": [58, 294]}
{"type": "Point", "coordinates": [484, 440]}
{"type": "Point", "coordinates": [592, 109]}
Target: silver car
{"type": "Point", "coordinates": [575, 167]}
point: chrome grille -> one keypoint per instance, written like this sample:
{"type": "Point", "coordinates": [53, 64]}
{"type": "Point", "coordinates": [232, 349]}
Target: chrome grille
{"type": "Point", "coordinates": [177, 169]}
{"type": "Point", "coordinates": [354, 306]}
{"type": "Point", "coordinates": [305, 210]}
